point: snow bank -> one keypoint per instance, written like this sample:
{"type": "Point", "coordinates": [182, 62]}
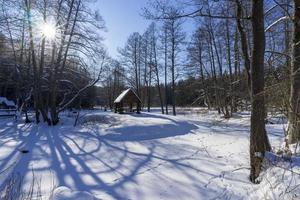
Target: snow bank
{"type": "Point", "coordinates": [281, 179]}
{"type": "Point", "coordinates": [146, 156]}
{"type": "Point", "coordinates": [65, 193]}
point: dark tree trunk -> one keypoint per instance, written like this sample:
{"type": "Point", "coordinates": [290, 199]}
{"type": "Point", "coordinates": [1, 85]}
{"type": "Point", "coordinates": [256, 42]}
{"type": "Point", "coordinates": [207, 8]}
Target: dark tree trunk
{"type": "Point", "coordinates": [58, 65]}
{"type": "Point", "coordinates": [259, 142]}
{"type": "Point", "coordinates": [34, 63]}
{"type": "Point", "coordinates": [41, 104]}
{"type": "Point", "coordinates": [166, 69]}
{"type": "Point", "coordinates": [149, 87]}
{"type": "Point", "coordinates": [157, 76]}
{"type": "Point", "coordinates": [237, 70]}
{"type": "Point", "coordinates": [149, 81]}
{"type": "Point", "coordinates": [244, 43]}
{"type": "Point", "coordinates": [232, 99]}
{"type": "Point", "coordinates": [294, 102]}
{"type": "Point", "coordinates": [173, 70]}
{"type": "Point", "coordinates": [202, 74]}
{"type": "Point", "coordinates": [214, 75]}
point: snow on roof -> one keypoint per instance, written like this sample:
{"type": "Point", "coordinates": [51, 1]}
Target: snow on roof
{"type": "Point", "coordinates": [123, 94]}
{"type": "Point", "coordinates": [7, 102]}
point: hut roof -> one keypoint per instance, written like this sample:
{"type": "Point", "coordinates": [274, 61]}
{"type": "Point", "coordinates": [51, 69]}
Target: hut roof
{"type": "Point", "coordinates": [124, 94]}
{"type": "Point", "coordinates": [4, 100]}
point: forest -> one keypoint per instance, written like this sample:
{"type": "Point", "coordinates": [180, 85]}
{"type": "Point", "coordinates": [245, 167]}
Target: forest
{"type": "Point", "coordinates": [204, 72]}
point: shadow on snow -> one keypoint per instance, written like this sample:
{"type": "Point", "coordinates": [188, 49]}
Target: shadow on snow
{"type": "Point", "coordinates": [88, 161]}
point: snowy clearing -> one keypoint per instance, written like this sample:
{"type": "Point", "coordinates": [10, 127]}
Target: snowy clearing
{"type": "Point", "coordinates": [146, 156]}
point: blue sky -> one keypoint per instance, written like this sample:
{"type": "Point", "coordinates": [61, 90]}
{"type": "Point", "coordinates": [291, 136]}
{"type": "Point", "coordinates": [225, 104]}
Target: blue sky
{"type": "Point", "coordinates": [122, 17]}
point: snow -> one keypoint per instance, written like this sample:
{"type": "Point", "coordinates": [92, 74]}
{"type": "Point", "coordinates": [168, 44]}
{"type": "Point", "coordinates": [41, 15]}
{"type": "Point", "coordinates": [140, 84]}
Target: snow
{"type": "Point", "coordinates": [7, 102]}
{"type": "Point", "coordinates": [147, 156]}
{"type": "Point", "coordinates": [281, 179]}
{"type": "Point", "coordinates": [121, 96]}
{"type": "Point", "coordinates": [276, 22]}
{"type": "Point", "coordinates": [65, 193]}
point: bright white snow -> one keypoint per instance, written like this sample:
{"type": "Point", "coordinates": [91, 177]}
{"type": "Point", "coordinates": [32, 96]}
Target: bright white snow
{"type": "Point", "coordinates": [146, 156]}
{"type": "Point", "coordinates": [65, 193]}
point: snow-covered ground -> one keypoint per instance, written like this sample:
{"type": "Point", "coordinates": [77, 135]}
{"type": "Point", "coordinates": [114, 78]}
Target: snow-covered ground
{"type": "Point", "coordinates": [147, 156]}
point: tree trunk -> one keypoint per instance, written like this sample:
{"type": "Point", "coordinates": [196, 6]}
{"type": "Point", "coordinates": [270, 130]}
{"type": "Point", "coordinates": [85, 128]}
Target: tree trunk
{"type": "Point", "coordinates": [136, 68]}
{"type": "Point", "coordinates": [166, 69]}
{"type": "Point", "coordinates": [55, 74]}
{"type": "Point", "coordinates": [259, 142]}
{"type": "Point", "coordinates": [231, 95]}
{"type": "Point", "coordinates": [157, 75]}
{"type": "Point", "coordinates": [244, 43]}
{"type": "Point", "coordinates": [149, 85]}
{"type": "Point", "coordinates": [41, 104]}
{"type": "Point", "coordinates": [214, 74]}
{"type": "Point", "coordinates": [294, 101]}
{"type": "Point", "coordinates": [236, 67]}
{"type": "Point", "coordinates": [214, 43]}
{"type": "Point", "coordinates": [173, 69]}
{"type": "Point", "coordinates": [206, 94]}
{"type": "Point", "coordinates": [34, 63]}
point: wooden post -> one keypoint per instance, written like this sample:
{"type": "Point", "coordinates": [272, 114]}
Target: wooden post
{"type": "Point", "coordinates": [121, 109]}
{"type": "Point", "coordinates": [116, 107]}
{"type": "Point", "coordinates": [138, 108]}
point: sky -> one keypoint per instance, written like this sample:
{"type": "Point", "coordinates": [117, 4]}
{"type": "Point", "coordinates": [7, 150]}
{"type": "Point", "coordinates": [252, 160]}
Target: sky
{"type": "Point", "coordinates": [122, 17]}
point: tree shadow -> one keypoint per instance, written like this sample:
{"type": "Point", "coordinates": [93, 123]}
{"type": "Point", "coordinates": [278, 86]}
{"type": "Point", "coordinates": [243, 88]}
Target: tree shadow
{"type": "Point", "coordinates": [106, 165]}
{"type": "Point", "coordinates": [153, 116]}
{"type": "Point", "coordinates": [140, 133]}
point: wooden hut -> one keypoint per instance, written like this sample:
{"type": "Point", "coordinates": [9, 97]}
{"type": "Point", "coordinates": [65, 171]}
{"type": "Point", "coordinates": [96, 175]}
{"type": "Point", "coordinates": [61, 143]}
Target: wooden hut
{"type": "Point", "coordinates": [7, 104]}
{"type": "Point", "coordinates": [7, 107]}
{"type": "Point", "coordinates": [126, 100]}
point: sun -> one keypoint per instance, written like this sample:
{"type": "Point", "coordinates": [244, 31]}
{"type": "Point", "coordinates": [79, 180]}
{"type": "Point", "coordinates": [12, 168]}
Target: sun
{"type": "Point", "coordinates": [48, 31]}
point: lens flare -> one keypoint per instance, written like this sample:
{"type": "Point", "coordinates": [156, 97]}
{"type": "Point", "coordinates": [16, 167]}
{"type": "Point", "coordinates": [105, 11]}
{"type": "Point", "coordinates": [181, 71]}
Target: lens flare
{"type": "Point", "coordinates": [48, 31]}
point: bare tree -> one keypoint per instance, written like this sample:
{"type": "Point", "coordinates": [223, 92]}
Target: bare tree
{"type": "Point", "coordinates": [175, 36]}
{"type": "Point", "coordinates": [164, 42]}
{"type": "Point", "coordinates": [153, 43]}
{"type": "Point", "coordinates": [294, 102]}
{"type": "Point", "coordinates": [131, 57]}
{"type": "Point", "coordinates": [259, 142]}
